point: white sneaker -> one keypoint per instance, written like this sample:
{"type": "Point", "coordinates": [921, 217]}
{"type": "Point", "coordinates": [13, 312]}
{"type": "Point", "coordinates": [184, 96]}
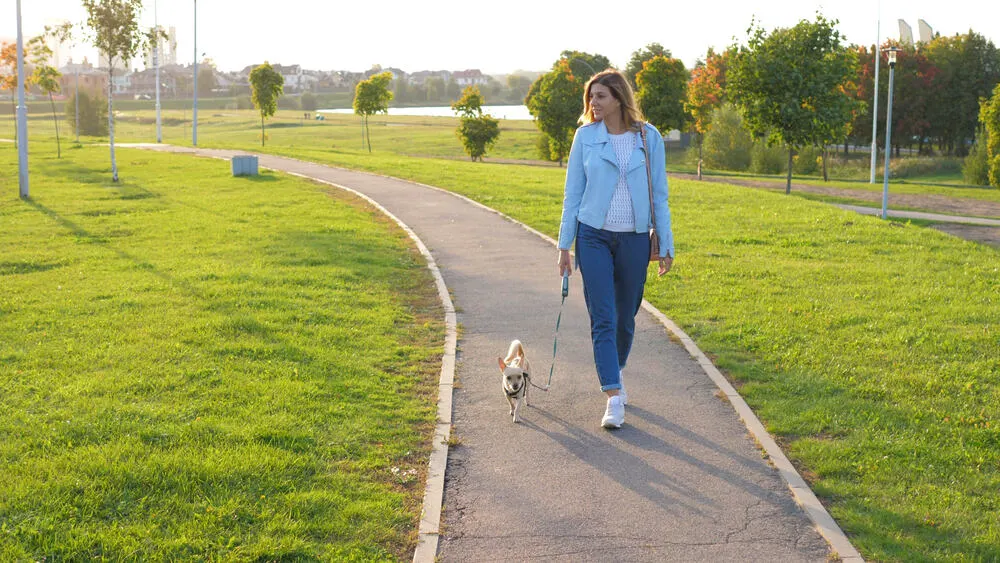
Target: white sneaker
{"type": "Point", "coordinates": [614, 415]}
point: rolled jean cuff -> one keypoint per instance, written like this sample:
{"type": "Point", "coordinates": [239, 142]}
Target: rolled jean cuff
{"type": "Point", "coordinates": [611, 387]}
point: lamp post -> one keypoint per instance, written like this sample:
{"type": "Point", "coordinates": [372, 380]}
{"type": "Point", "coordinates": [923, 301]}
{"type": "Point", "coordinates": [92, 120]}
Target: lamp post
{"type": "Point", "coordinates": [888, 133]}
{"type": "Point", "coordinates": [156, 63]}
{"type": "Point", "coordinates": [194, 113]}
{"type": "Point", "coordinates": [878, 57]}
{"type": "Point", "coordinates": [22, 115]}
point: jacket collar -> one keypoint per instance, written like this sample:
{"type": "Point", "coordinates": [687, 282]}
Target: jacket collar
{"type": "Point", "coordinates": [601, 135]}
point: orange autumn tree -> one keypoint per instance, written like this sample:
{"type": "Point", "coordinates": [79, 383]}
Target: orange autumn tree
{"type": "Point", "coordinates": [706, 92]}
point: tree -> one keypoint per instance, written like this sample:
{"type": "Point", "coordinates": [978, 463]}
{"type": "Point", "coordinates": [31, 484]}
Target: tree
{"type": "Point", "coordinates": [583, 65]}
{"type": "Point", "coordinates": [556, 102]}
{"type": "Point", "coordinates": [93, 114]}
{"type": "Point", "coordinates": [266, 86]}
{"type": "Point", "coordinates": [989, 115]}
{"type": "Point", "coordinates": [207, 82]}
{"type": "Point", "coordinates": [968, 68]}
{"type": "Point", "coordinates": [662, 86]}
{"type": "Point", "coordinates": [308, 101]}
{"type": "Point", "coordinates": [705, 94]}
{"type": "Point", "coordinates": [518, 86]}
{"type": "Point", "coordinates": [47, 80]}
{"type": "Point", "coordinates": [114, 30]}
{"type": "Point", "coordinates": [642, 55]}
{"type": "Point", "coordinates": [727, 144]}
{"type": "Point", "coordinates": [478, 131]}
{"type": "Point", "coordinates": [370, 97]}
{"type": "Point", "coordinates": [8, 76]}
{"type": "Point", "coordinates": [789, 85]}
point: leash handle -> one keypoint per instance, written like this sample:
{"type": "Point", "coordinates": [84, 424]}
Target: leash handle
{"type": "Point", "coordinates": [555, 338]}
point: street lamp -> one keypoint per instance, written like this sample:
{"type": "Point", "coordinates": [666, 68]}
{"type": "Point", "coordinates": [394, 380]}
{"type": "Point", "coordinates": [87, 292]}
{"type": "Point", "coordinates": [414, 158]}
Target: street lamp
{"type": "Point", "coordinates": [156, 63]}
{"type": "Point", "coordinates": [194, 114]}
{"type": "Point", "coordinates": [888, 132]}
{"type": "Point", "coordinates": [22, 115]}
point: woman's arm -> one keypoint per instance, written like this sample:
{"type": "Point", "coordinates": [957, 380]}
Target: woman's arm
{"type": "Point", "coordinates": [661, 204]}
{"type": "Point", "coordinates": [576, 182]}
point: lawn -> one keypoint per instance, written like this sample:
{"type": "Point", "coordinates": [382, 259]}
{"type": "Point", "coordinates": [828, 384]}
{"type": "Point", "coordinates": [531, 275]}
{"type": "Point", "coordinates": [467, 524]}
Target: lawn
{"type": "Point", "coordinates": [871, 349]}
{"type": "Point", "coordinates": [196, 366]}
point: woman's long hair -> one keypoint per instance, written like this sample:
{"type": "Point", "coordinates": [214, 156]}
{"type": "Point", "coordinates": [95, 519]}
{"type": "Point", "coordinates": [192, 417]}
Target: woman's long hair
{"type": "Point", "coordinates": [621, 90]}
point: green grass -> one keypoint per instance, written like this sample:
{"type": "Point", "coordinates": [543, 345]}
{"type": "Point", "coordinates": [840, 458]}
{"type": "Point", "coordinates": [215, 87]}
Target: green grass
{"type": "Point", "coordinates": [869, 348]}
{"type": "Point", "coordinates": [195, 366]}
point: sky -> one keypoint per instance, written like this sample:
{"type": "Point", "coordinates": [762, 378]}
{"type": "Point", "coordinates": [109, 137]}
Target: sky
{"type": "Point", "coordinates": [498, 38]}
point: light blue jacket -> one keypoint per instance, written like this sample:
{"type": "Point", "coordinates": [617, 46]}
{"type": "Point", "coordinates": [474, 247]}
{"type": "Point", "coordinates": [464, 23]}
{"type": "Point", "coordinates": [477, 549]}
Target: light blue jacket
{"type": "Point", "coordinates": [591, 177]}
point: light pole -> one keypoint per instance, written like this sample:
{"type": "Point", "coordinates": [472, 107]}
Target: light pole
{"type": "Point", "coordinates": [878, 57]}
{"type": "Point", "coordinates": [22, 115]}
{"type": "Point", "coordinates": [156, 63]}
{"type": "Point", "coordinates": [888, 133]}
{"type": "Point", "coordinates": [194, 113]}
{"type": "Point", "coordinates": [76, 103]}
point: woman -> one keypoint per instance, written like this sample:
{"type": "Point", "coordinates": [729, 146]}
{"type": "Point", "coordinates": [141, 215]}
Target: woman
{"type": "Point", "coordinates": [606, 209]}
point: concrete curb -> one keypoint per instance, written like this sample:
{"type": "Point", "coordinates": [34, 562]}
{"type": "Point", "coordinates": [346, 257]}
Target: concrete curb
{"type": "Point", "coordinates": [430, 516]}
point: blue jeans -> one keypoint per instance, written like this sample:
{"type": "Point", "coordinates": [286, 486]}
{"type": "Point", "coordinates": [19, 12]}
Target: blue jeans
{"type": "Point", "coordinates": [613, 266]}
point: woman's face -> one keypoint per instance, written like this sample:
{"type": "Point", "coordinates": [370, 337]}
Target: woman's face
{"type": "Point", "coordinates": [602, 102]}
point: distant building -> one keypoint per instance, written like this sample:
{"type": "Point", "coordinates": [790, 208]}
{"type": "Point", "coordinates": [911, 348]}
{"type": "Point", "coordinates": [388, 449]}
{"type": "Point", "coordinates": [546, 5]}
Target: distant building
{"type": "Point", "coordinates": [905, 33]}
{"type": "Point", "coordinates": [469, 77]}
{"type": "Point", "coordinates": [419, 78]}
{"type": "Point", "coordinates": [926, 33]}
{"type": "Point", "coordinates": [90, 80]}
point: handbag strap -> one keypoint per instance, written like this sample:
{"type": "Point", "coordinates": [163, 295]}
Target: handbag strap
{"type": "Point", "coordinates": [649, 174]}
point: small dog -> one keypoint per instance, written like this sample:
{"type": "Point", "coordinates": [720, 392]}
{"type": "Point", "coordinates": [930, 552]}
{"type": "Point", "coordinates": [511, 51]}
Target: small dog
{"type": "Point", "coordinates": [516, 378]}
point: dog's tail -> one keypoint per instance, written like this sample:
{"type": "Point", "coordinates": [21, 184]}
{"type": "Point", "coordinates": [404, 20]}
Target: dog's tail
{"type": "Point", "coordinates": [515, 350]}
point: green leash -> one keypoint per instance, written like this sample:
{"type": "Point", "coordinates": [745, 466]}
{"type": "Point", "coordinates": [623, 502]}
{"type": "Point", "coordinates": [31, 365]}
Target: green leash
{"type": "Point", "coordinates": [555, 339]}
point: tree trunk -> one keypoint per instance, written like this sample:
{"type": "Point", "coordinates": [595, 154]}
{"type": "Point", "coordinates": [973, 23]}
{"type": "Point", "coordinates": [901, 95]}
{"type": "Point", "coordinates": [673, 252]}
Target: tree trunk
{"type": "Point", "coordinates": [368, 134]}
{"type": "Point", "coordinates": [56, 121]}
{"type": "Point", "coordinates": [262, 128]}
{"type": "Point", "coordinates": [111, 126]}
{"type": "Point", "coordinates": [701, 143]}
{"type": "Point", "coordinates": [788, 183]}
{"type": "Point", "coordinates": [362, 132]}
{"type": "Point", "coordinates": [826, 178]}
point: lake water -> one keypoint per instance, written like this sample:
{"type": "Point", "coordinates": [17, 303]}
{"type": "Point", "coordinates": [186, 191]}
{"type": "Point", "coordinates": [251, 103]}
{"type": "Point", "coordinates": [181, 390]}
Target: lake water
{"type": "Point", "coordinates": [499, 112]}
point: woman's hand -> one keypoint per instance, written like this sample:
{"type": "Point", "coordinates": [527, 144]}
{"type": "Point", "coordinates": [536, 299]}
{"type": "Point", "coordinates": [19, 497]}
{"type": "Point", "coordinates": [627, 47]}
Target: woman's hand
{"type": "Point", "coordinates": [565, 264]}
{"type": "Point", "coordinates": [665, 263]}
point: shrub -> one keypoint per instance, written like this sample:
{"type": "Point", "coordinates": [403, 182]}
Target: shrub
{"type": "Point", "coordinates": [767, 160]}
{"type": "Point", "coordinates": [93, 114]}
{"type": "Point", "coordinates": [288, 102]}
{"type": "Point", "coordinates": [912, 167]}
{"type": "Point", "coordinates": [975, 168]}
{"type": "Point", "coordinates": [807, 161]}
{"type": "Point", "coordinates": [308, 101]}
{"type": "Point", "coordinates": [727, 144]}
{"type": "Point", "coordinates": [244, 102]}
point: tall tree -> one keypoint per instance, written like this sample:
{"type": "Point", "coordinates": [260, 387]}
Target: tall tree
{"type": "Point", "coordinates": [556, 102]}
{"type": "Point", "coordinates": [479, 131]}
{"type": "Point", "coordinates": [8, 75]}
{"type": "Point", "coordinates": [706, 92]}
{"type": "Point", "coordinates": [968, 68]}
{"type": "Point", "coordinates": [662, 86]}
{"type": "Point", "coordinates": [370, 97]}
{"type": "Point", "coordinates": [584, 65]}
{"type": "Point", "coordinates": [989, 115]}
{"type": "Point", "coordinates": [114, 30]}
{"type": "Point", "coordinates": [266, 86]}
{"type": "Point", "coordinates": [789, 84]}
{"type": "Point", "coordinates": [47, 80]}
{"type": "Point", "coordinates": [518, 86]}
{"type": "Point", "coordinates": [642, 55]}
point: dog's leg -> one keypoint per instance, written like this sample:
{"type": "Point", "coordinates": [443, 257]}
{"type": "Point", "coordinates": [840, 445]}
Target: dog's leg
{"type": "Point", "coordinates": [517, 409]}
{"type": "Point", "coordinates": [527, 387]}
{"type": "Point", "coordinates": [511, 401]}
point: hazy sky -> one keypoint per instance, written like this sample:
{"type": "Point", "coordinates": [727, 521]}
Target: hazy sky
{"type": "Point", "coordinates": [516, 34]}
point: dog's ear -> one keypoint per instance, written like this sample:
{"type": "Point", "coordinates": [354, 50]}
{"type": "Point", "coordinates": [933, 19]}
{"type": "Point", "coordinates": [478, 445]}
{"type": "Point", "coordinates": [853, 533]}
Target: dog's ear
{"type": "Point", "coordinates": [503, 366]}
